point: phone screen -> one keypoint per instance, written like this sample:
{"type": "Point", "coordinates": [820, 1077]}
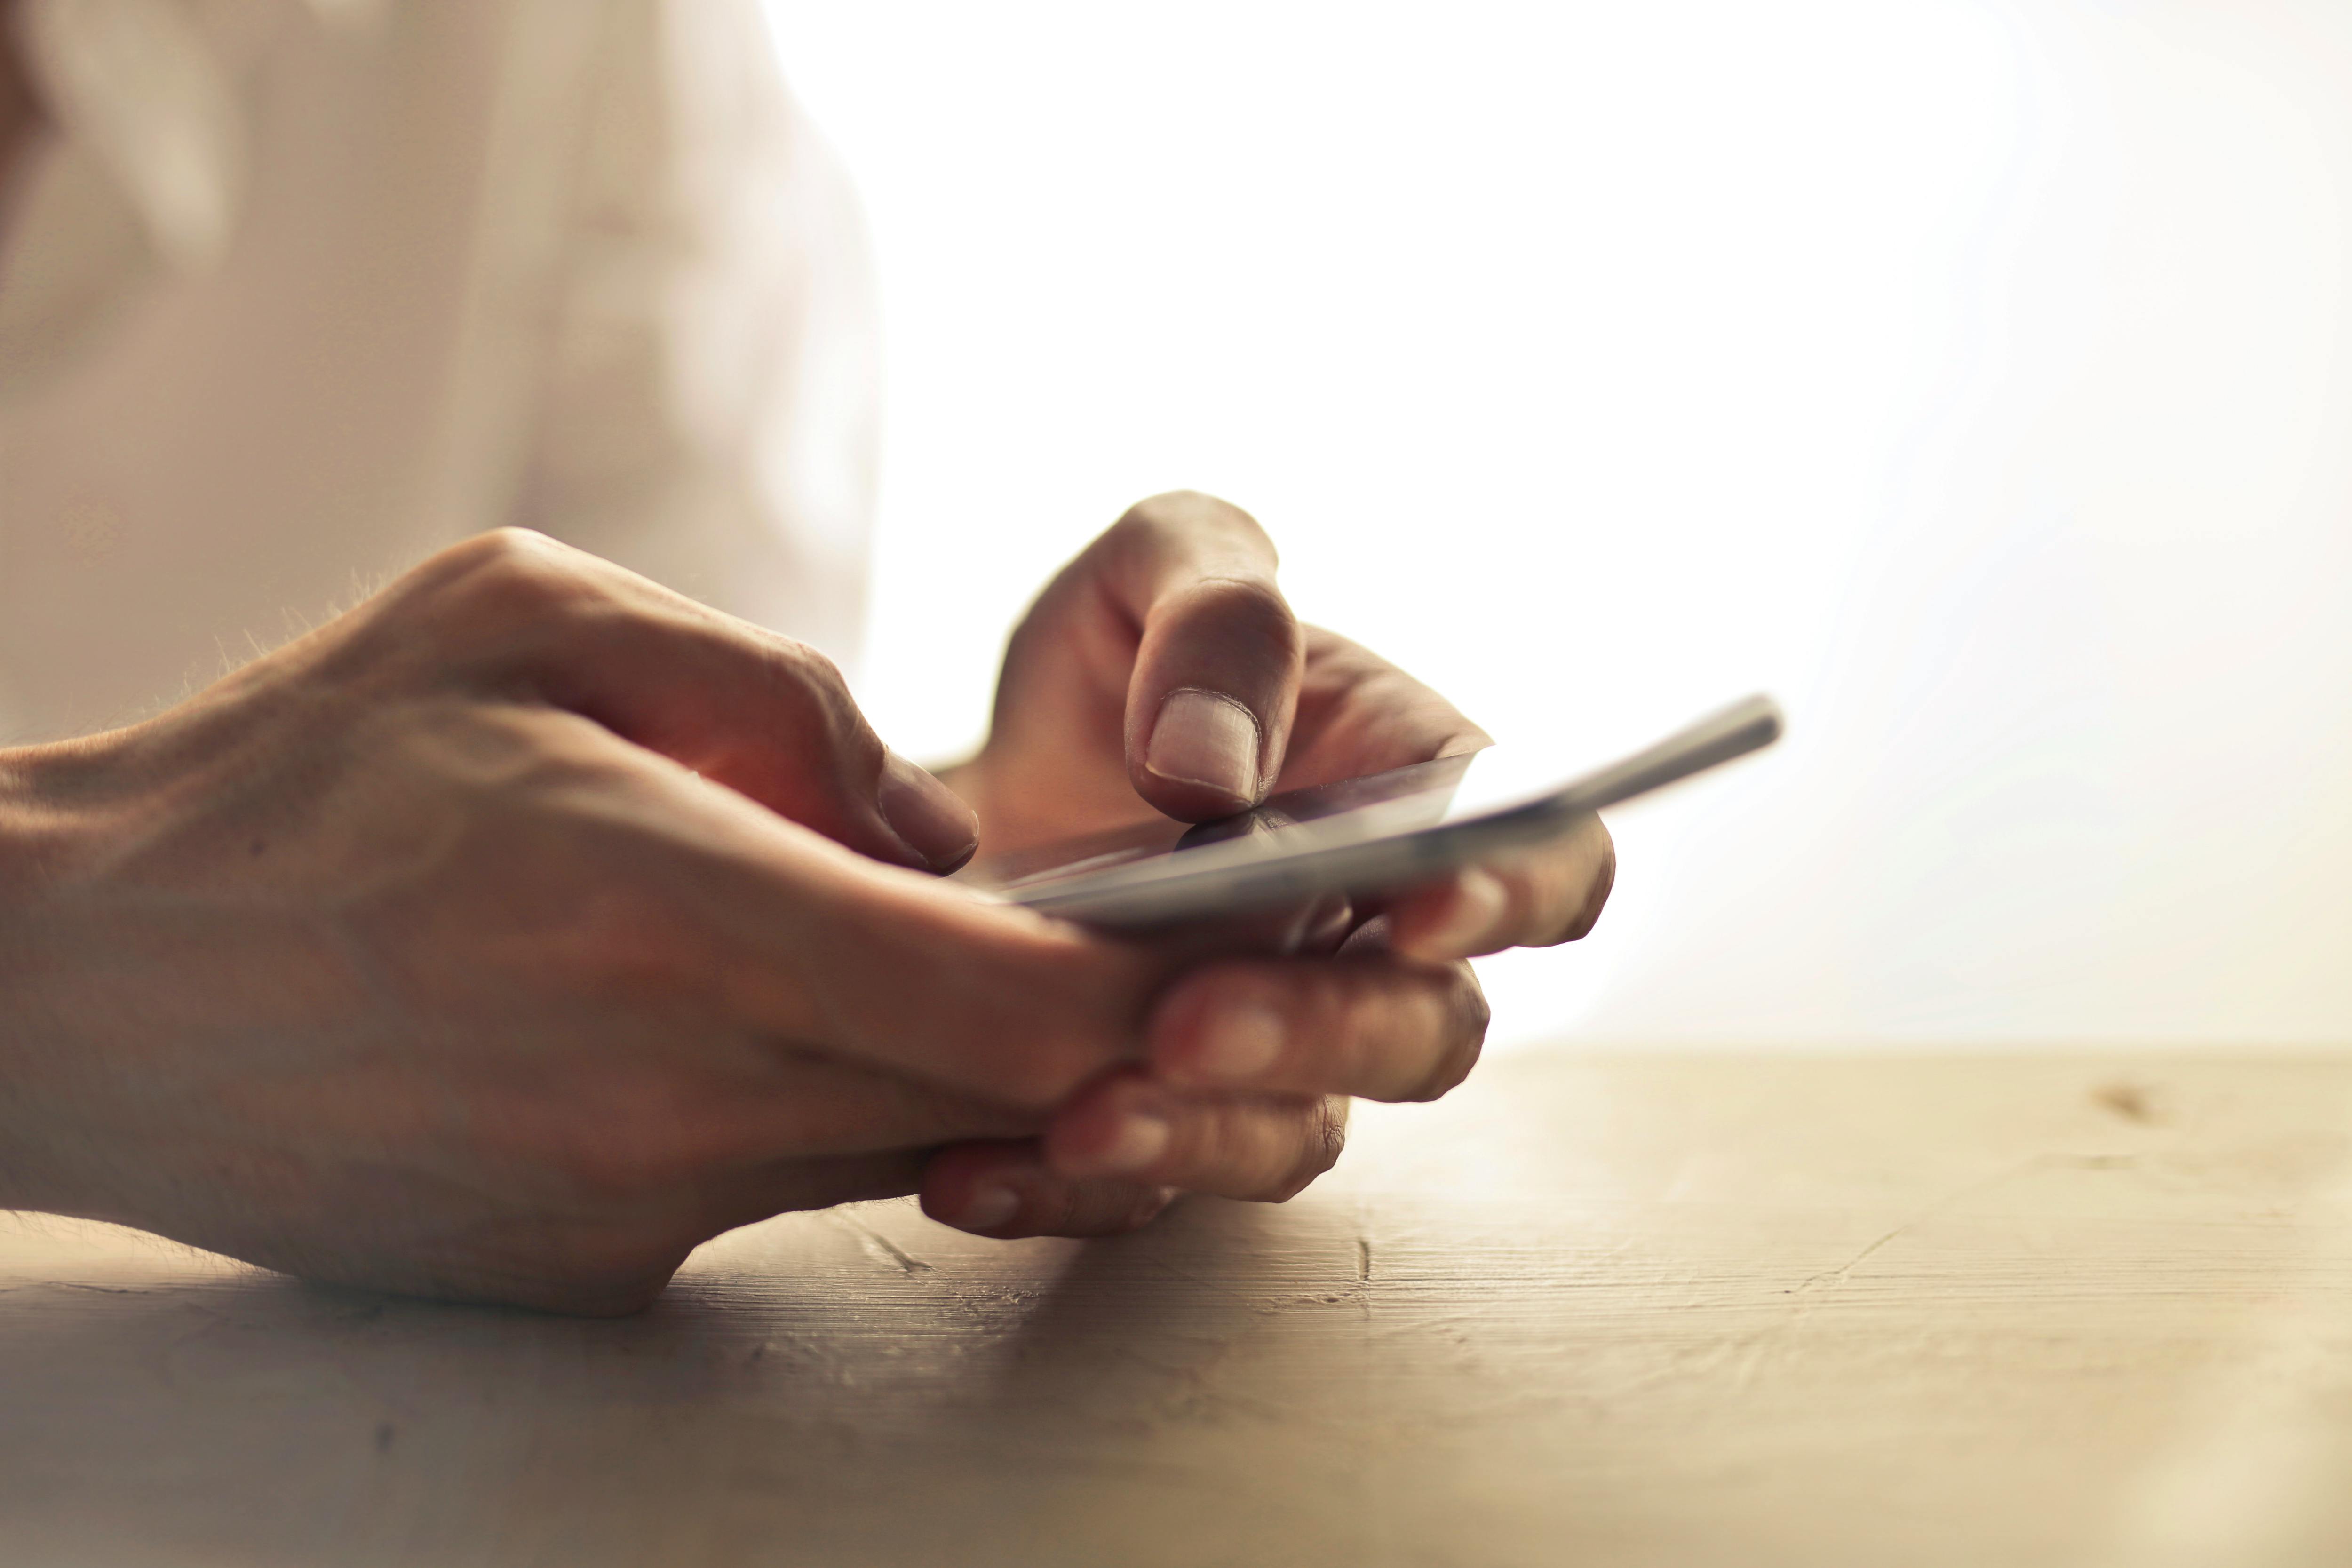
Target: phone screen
{"type": "Point", "coordinates": [1378, 806]}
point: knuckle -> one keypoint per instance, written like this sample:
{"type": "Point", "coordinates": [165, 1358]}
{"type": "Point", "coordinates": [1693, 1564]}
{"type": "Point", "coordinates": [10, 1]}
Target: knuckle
{"type": "Point", "coordinates": [1592, 895]}
{"type": "Point", "coordinates": [1474, 1012]}
{"type": "Point", "coordinates": [1325, 1139]}
{"type": "Point", "coordinates": [514, 574]}
{"type": "Point", "coordinates": [797, 664]}
{"type": "Point", "coordinates": [1604, 880]}
{"type": "Point", "coordinates": [1178, 513]}
{"type": "Point", "coordinates": [1167, 510]}
{"type": "Point", "coordinates": [456, 562]}
{"type": "Point", "coordinates": [1144, 526]}
{"type": "Point", "coordinates": [1346, 1013]}
{"type": "Point", "coordinates": [1055, 1209]}
{"type": "Point", "coordinates": [801, 692]}
{"type": "Point", "coordinates": [1145, 1207]}
{"type": "Point", "coordinates": [1252, 608]}
{"type": "Point", "coordinates": [816, 683]}
{"type": "Point", "coordinates": [1112, 1208]}
{"type": "Point", "coordinates": [1343, 1037]}
{"type": "Point", "coordinates": [509, 543]}
{"type": "Point", "coordinates": [1247, 619]}
{"type": "Point", "coordinates": [1464, 1014]}
{"type": "Point", "coordinates": [1327, 1046]}
{"type": "Point", "coordinates": [503, 550]}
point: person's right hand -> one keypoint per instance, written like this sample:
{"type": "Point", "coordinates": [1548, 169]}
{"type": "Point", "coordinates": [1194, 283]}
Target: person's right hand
{"type": "Point", "coordinates": [505, 939]}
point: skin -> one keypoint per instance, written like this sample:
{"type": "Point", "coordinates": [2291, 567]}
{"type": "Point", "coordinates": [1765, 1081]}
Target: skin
{"type": "Point", "coordinates": [524, 928]}
{"type": "Point", "coordinates": [512, 935]}
{"type": "Point", "coordinates": [1180, 596]}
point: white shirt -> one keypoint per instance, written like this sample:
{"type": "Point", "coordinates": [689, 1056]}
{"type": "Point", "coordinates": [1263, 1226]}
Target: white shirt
{"type": "Point", "coordinates": [297, 291]}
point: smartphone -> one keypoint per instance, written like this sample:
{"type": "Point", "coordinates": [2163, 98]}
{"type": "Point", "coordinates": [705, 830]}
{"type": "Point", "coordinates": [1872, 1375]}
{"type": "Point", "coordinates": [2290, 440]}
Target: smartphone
{"type": "Point", "coordinates": [1362, 835]}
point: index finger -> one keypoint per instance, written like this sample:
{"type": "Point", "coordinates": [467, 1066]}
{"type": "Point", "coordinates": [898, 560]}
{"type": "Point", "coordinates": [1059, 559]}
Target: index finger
{"type": "Point", "coordinates": [1217, 665]}
{"type": "Point", "coordinates": [759, 713]}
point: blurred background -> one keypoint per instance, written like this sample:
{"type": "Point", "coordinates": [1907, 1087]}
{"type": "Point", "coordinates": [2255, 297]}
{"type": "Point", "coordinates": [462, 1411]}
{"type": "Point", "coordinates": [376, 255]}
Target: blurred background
{"type": "Point", "coordinates": [1971, 376]}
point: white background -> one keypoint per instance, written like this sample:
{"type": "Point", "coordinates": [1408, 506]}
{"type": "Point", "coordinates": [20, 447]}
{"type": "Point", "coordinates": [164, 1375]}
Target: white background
{"type": "Point", "coordinates": [1970, 375]}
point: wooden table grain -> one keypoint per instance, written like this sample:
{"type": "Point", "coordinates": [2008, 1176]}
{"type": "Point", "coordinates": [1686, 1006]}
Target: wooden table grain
{"type": "Point", "coordinates": [1746, 1308]}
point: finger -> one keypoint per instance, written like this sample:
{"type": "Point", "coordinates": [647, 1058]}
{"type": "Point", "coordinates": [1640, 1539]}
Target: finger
{"type": "Point", "coordinates": [1005, 1190]}
{"type": "Point", "coordinates": [1366, 1023]}
{"type": "Point", "coordinates": [1539, 898]}
{"type": "Point", "coordinates": [807, 942]}
{"type": "Point", "coordinates": [1360, 714]}
{"type": "Point", "coordinates": [757, 711]}
{"type": "Point", "coordinates": [1218, 657]}
{"type": "Point", "coordinates": [1128, 1127]}
{"type": "Point", "coordinates": [722, 911]}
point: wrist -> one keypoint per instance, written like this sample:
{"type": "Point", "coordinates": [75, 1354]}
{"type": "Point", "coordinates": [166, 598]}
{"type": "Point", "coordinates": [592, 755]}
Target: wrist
{"type": "Point", "coordinates": [43, 791]}
{"type": "Point", "coordinates": [35, 828]}
{"type": "Point", "coordinates": [19, 836]}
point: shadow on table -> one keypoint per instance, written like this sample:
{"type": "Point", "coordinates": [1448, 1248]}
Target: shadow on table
{"type": "Point", "coordinates": [809, 1390]}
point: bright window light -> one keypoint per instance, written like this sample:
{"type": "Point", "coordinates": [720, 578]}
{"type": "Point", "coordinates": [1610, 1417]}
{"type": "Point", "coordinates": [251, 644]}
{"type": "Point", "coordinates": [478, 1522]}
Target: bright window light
{"type": "Point", "coordinates": [1968, 374]}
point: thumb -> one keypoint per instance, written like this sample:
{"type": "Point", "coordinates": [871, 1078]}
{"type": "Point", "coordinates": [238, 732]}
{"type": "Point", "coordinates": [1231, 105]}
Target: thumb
{"type": "Point", "coordinates": [1217, 662]}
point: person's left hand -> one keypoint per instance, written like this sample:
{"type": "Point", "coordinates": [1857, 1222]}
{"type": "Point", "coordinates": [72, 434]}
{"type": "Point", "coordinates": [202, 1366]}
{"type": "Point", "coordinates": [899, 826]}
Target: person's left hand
{"type": "Point", "coordinates": [1163, 670]}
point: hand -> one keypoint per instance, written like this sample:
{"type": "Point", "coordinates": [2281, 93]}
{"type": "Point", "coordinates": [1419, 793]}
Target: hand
{"type": "Point", "coordinates": [464, 947]}
{"type": "Point", "coordinates": [1162, 669]}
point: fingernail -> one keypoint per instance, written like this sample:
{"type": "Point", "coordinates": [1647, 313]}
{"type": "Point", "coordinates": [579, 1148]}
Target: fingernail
{"type": "Point", "coordinates": [1239, 1042]}
{"type": "Point", "coordinates": [1142, 1138]}
{"type": "Point", "coordinates": [989, 1208]}
{"type": "Point", "coordinates": [929, 818]}
{"type": "Point", "coordinates": [1201, 738]}
{"type": "Point", "coordinates": [1479, 903]}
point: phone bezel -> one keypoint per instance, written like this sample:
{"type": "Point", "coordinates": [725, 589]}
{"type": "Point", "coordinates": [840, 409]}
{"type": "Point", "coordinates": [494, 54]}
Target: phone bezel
{"type": "Point", "coordinates": [1295, 863]}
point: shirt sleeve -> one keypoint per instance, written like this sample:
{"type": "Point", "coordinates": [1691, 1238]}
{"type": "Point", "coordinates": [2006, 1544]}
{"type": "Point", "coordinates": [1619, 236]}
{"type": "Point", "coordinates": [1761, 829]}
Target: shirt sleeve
{"type": "Point", "coordinates": [705, 411]}
{"type": "Point", "coordinates": [140, 171]}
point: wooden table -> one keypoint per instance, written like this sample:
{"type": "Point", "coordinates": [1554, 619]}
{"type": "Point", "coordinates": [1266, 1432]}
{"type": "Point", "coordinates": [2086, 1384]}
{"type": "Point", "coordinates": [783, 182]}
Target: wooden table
{"type": "Point", "coordinates": [1740, 1310]}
